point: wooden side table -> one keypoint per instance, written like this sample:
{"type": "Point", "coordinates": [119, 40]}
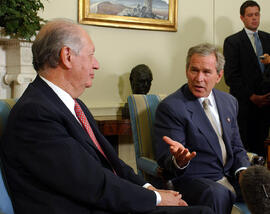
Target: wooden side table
{"type": "Point", "coordinates": [113, 127]}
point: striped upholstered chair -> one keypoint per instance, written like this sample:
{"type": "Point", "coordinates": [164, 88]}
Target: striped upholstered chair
{"type": "Point", "coordinates": [5, 202]}
{"type": "Point", "coordinates": [142, 116]}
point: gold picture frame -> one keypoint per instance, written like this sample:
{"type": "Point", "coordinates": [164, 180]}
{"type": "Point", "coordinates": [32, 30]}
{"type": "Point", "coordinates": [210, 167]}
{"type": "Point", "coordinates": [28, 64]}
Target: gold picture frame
{"type": "Point", "coordinates": [106, 13]}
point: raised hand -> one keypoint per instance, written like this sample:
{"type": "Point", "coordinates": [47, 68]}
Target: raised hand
{"type": "Point", "coordinates": [180, 153]}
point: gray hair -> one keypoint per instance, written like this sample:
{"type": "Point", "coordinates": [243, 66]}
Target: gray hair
{"type": "Point", "coordinates": [51, 39]}
{"type": "Point", "coordinates": [206, 49]}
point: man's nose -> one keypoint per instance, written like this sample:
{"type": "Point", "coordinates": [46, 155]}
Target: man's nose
{"type": "Point", "coordinates": [199, 76]}
{"type": "Point", "coordinates": [95, 64]}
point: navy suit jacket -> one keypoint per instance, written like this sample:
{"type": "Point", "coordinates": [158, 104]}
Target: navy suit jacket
{"type": "Point", "coordinates": [242, 71]}
{"type": "Point", "coordinates": [53, 166]}
{"type": "Point", "coordinates": [181, 117]}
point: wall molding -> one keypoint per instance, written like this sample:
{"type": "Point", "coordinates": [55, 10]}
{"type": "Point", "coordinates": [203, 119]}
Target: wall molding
{"type": "Point", "coordinates": [110, 111]}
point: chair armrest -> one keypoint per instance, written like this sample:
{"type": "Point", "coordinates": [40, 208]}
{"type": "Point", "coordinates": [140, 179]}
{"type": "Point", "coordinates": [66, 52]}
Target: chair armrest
{"type": "Point", "coordinates": [251, 155]}
{"type": "Point", "coordinates": [255, 159]}
{"type": "Point", "coordinates": [148, 166]}
{"type": "Point", "coordinates": [241, 208]}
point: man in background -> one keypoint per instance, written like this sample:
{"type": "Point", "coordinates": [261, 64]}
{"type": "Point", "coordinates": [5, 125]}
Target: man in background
{"type": "Point", "coordinates": [247, 77]}
{"type": "Point", "coordinates": [55, 158]}
{"type": "Point", "coordinates": [203, 120]}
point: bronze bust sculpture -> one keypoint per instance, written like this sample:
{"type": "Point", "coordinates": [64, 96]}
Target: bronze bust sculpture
{"type": "Point", "coordinates": [140, 79]}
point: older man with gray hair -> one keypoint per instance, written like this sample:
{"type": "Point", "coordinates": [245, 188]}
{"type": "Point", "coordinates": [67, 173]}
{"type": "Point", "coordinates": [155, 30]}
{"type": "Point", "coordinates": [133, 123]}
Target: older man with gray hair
{"type": "Point", "coordinates": [55, 158]}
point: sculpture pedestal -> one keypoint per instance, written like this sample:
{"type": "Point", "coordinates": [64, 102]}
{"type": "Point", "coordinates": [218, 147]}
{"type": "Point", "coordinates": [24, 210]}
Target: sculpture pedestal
{"type": "Point", "coordinates": [18, 63]}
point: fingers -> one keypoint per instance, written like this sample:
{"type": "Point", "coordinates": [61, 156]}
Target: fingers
{"type": "Point", "coordinates": [182, 203]}
{"type": "Point", "coordinates": [170, 141]}
{"type": "Point", "coordinates": [192, 155]}
{"type": "Point", "coordinates": [185, 156]}
{"type": "Point", "coordinates": [181, 154]}
{"type": "Point", "coordinates": [171, 198]}
{"type": "Point", "coordinates": [174, 145]}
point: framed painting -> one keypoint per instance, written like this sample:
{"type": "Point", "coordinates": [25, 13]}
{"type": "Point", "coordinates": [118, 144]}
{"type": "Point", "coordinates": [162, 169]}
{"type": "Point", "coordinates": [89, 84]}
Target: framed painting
{"type": "Point", "coordinates": [139, 14]}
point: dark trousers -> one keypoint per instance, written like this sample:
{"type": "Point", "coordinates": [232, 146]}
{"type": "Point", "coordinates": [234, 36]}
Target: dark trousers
{"type": "Point", "coordinates": [182, 210]}
{"type": "Point", "coordinates": [205, 192]}
{"type": "Point", "coordinates": [173, 210]}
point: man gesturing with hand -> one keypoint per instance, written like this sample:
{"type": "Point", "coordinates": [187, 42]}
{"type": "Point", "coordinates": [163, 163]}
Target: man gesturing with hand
{"type": "Point", "coordinates": [196, 135]}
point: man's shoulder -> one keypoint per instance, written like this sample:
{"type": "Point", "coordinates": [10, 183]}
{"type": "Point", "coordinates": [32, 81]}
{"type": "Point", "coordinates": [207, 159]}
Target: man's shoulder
{"type": "Point", "coordinates": [176, 96]}
{"type": "Point", "coordinates": [178, 99]}
{"type": "Point", "coordinates": [235, 36]}
{"type": "Point", "coordinates": [263, 33]}
{"type": "Point", "coordinates": [224, 95]}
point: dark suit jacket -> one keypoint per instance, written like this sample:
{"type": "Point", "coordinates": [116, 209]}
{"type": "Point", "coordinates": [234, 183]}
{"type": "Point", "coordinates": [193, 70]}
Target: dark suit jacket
{"type": "Point", "coordinates": [53, 166]}
{"type": "Point", "coordinates": [242, 71]}
{"type": "Point", "coordinates": [181, 117]}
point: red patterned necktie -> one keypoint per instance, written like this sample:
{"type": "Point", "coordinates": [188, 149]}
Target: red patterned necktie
{"type": "Point", "coordinates": [82, 118]}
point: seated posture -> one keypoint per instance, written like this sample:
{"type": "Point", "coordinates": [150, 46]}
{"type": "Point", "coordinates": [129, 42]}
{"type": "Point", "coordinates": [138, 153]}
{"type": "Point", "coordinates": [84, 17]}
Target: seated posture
{"type": "Point", "coordinates": [55, 158]}
{"type": "Point", "coordinates": [255, 186]}
{"type": "Point", "coordinates": [140, 79]}
{"type": "Point", "coordinates": [201, 119]}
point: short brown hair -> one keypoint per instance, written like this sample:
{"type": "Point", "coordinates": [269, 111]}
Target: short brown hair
{"type": "Point", "coordinates": [248, 4]}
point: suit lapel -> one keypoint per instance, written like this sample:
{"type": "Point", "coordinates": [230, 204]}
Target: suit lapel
{"type": "Point", "coordinates": [265, 41]}
{"type": "Point", "coordinates": [55, 101]}
{"type": "Point", "coordinates": [225, 120]}
{"type": "Point", "coordinates": [203, 124]}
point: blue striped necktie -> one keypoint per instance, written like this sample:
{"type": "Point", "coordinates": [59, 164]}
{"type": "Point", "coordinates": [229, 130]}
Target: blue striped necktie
{"type": "Point", "coordinates": [259, 49]}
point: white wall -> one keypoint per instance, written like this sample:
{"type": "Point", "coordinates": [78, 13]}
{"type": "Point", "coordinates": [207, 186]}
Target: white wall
{"type": "Point", "coordinates": [118, 50]}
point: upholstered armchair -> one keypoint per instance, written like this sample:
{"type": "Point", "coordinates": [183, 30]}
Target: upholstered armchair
{"type": "Point", "coordinates": [142, 110]}
{"type": "Point", "coordinates": [5, 201]}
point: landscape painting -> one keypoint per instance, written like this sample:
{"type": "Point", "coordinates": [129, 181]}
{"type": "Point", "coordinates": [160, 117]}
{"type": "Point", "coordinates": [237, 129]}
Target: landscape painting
{"type": "Point", "coordinates": [139, 14]}
{"type": "Point", "coordinates": [155, 9]}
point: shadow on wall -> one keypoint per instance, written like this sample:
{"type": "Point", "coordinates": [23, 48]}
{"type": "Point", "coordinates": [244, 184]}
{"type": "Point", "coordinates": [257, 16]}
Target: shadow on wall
{"type": "Point", "coordinates": [192, 32]}
{"type": "Point", "coordinates": [224, 28]}
{"type": "Point", "coordinates": [124, 87]}
{"type": "Point", "coordinates": [264, 26]}
{"type": "Point", "coordinates": [124, 91]}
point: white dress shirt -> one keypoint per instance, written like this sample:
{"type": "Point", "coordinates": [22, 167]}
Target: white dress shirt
{"type": "Point", "coordinates": [251, 38]}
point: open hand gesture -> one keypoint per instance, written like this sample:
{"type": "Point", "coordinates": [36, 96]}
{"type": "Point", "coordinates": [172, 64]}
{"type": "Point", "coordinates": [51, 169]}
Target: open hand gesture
{"type": "Point", "coordinates": [180, 153]}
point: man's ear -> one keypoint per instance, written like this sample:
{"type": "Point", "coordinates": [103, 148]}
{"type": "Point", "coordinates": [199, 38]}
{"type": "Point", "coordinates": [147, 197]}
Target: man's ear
{"type": "Point", "coordinates": [241, 17]}
{"type": "Point", "coordinates": [65, 57]}
{"type": "Point", "coordinates": [220, 75]}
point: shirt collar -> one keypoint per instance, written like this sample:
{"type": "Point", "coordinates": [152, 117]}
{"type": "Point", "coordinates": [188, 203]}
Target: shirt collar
{"type": "Point", "coordinates": [250, 32]}
{"type": "Point", "coordinates": [210, 97]}
{"type": "Point", "coordinates": [63, 95]}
